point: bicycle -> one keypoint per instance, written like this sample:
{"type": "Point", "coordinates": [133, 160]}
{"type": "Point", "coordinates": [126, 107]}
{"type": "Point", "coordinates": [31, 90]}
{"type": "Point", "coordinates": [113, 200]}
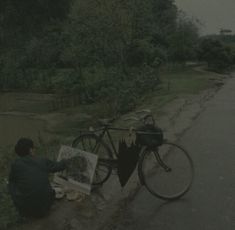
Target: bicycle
{"type": "Point", "coordinates": [159, 161]}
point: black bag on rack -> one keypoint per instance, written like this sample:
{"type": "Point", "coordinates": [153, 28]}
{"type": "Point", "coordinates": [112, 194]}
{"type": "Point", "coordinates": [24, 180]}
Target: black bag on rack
{"type": "Point", "coordinates": [127, 161]}
{"type": "Point", "coordinates": [152, 138]}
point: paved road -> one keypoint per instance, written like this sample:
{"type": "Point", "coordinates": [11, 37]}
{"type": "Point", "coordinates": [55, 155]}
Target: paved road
{"type": "Point", "coordinates": [210, 205]}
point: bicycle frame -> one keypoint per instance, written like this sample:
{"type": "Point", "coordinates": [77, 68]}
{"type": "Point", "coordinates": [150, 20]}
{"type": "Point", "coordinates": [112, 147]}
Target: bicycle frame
{"type": "Point", "coordinates": [105, 130]}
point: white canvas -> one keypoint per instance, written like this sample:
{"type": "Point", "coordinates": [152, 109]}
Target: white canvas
{"type": "Point", "coordinates": [81, 174]}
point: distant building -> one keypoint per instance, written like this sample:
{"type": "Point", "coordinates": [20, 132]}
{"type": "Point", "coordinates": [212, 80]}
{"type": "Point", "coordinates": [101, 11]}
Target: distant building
{"type": "Point", "coordinates": [225, 32]}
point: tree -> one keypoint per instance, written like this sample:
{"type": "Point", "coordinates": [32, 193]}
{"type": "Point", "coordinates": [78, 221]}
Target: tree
{"type": "Point", "coordinates": [29, 16]}
{"type": "Point", "coordinates": [184, 41]}
{"type": "Point", "coordinates": [215, 53]}
{"type": "Point", "coordinates": [89, 42]}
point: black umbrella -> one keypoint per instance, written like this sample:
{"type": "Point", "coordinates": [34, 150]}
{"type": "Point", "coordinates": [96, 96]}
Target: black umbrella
{"type": "Point", "coordinates": [127, 161]}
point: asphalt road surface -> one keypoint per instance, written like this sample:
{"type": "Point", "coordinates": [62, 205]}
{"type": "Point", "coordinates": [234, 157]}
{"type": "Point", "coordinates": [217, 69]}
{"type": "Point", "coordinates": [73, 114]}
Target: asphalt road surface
{"type": "Point", "coordinates": [210, 204]}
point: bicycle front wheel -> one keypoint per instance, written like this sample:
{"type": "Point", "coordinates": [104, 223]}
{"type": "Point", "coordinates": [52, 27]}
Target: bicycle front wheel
{"type": "Point", "coordinates": [93, 144]}
{"type": "Point", "coordinates": [166, 172]}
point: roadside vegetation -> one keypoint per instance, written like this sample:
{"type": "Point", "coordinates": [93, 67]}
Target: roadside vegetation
{"type": "Point", "coordinates": [218, 52]}
{"type": "Point", "coordinates": [100, 51]}
{"type": "Point", "coordinates": [96, 50]}
{"type": "Point", "coordinates": [8, 214]}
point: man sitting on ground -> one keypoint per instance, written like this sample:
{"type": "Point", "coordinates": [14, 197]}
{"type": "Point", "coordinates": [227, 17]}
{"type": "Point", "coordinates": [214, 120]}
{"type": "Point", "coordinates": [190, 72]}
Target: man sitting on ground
{"type": "Point", "coordinates": [29, 184]}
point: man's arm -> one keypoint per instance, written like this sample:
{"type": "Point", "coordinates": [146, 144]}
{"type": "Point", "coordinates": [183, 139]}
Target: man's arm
{"type": "Point", "coordinates": [55, 166]}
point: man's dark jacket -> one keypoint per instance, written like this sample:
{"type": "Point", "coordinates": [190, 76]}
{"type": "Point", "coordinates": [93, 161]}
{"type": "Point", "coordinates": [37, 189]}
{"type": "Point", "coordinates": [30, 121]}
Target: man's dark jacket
{"type": "Point", "coordinates": [29, 184]}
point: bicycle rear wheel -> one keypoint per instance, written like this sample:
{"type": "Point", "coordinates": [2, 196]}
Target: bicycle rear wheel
{"type": "Point", "coordinates": [93, 144]}
{"type": "Point", "coordinates": [166, 172]}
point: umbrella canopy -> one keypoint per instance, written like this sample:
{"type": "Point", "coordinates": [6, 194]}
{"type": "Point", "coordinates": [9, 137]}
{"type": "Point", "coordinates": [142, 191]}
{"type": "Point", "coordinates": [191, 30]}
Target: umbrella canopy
{"type": "Point", "coordinates": [127, 160]}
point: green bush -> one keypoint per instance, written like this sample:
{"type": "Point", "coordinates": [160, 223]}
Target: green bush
{"type": "Point", "coordinates": [8, 213]}
{"type": "Point", "coordinates": [218, 56]}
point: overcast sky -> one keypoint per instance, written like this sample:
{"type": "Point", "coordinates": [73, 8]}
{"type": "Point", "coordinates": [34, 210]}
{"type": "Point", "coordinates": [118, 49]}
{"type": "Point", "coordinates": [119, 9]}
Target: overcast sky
{"type": "Point", "coordinates": [213, 14]}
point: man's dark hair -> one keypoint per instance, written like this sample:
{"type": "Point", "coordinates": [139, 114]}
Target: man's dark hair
{"type": "Point", "coordinates": [23, 146]}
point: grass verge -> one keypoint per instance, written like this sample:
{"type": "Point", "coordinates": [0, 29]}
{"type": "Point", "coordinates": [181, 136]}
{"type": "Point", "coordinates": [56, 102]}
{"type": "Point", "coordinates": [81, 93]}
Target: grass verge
{"type": "Point", "coordinates": [179, 83]}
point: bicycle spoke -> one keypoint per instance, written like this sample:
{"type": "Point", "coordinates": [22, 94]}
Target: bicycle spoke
{"type": "Point", "coordinates": [90, 144]}
{"type": "Point", "coordinates": [95, 150]}
{"type": "Point", "coordinates": [97, 175]}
